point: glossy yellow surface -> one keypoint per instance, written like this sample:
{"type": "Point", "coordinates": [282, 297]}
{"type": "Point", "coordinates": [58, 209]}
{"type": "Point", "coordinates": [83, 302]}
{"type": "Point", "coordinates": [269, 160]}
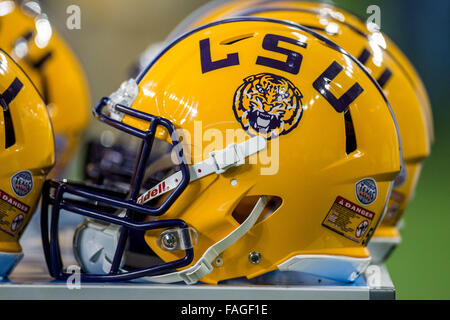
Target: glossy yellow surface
{"type": "Point", "coordinates": [33, 150]}
{"type": "Point", "coordinates": [60, 79]}
{"type": "Point", "coordinates": [404, 90]}
{"type": "Point", "coordinates": [314, 167]}
{"type": "Point", "coordinates": [327, 11]}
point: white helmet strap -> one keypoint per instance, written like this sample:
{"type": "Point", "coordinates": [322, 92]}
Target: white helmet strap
{"type": "Point", "coordinates": [203, 266]}
{"type": "Point", "coordinates": [218, 162]}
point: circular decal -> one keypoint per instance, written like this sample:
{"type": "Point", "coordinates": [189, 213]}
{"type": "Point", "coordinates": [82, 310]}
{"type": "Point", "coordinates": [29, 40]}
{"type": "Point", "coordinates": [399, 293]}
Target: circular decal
{"type": "Point", "coordinates": [267, 105]}
{"type": "Point", "coordinates": [22, 183]}
{"type": "Point", "coordinates": [17, 222]}
{"type": "Point", "coordinates": [366, 191]}
{"type": "Point", "coordinates": [361, 229]}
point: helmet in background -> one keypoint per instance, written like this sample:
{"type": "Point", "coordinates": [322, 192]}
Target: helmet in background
{"type": "Point", "coordinates": [27, 155]}
{"type": "Point", "coordinates": [30, 39]}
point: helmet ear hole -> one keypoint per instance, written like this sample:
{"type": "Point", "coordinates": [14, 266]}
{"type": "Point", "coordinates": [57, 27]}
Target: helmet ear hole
{"type": "Point", "coordinates": [350, 136]}
{"type": "Point", "coordinates": [245, 206]}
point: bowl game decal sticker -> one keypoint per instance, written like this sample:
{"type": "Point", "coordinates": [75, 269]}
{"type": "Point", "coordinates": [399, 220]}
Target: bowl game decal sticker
{"type": "Point", "coordinates": [22, 183]}
{"type": "Point", "coordinates": [349, 220]}
{"type": "Point", "coordinates": [366, 191]}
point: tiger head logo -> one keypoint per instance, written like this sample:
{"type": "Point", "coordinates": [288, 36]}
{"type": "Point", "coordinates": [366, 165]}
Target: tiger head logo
{"type": "Point", "coordinates": [267, 105]}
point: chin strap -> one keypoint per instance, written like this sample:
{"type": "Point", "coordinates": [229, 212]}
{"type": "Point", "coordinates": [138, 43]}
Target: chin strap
{"type": "Point", "coordinates": [218, 162]}
{"type": "Point", "coordinates": [203, 266]}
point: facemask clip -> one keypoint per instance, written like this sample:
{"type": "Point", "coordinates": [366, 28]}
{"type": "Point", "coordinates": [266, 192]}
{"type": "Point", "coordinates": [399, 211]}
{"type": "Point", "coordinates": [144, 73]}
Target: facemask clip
{"type": "Point", "coordinates": [177, 239]}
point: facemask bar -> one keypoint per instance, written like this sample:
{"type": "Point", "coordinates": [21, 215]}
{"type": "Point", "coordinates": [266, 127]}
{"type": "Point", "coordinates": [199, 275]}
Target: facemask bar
{"type": "Point", "coordinates": [54, 192]}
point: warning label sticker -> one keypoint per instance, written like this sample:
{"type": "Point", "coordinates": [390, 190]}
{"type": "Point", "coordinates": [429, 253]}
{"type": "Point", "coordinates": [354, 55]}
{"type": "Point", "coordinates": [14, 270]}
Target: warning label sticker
{"type": "Point", "coordinates": [12, 213]}
{"type": "Point", "coordinates": [393, 214]}
{"type": "Point", "coordinates": [349, 220]}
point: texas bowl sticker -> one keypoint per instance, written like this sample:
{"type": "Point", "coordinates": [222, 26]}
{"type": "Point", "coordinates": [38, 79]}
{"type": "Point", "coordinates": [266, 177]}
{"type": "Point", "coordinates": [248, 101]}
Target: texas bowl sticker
{"type": "Point", "coordinates": [22, 183]}
{"type": "Point", "coordinates": [366, 191]}
{"type": "Point", "coordinates": [267, 105]}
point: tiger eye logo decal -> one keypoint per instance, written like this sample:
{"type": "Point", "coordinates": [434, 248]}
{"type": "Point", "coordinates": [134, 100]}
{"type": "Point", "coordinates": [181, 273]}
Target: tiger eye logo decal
{"type": "Point", "coordinates": [267, 105]}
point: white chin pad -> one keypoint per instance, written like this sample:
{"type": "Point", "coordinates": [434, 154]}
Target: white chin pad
{"type": "Point", "coordinates": [8, 262]}
{"type": "Point", "coordinates": [94, 245]}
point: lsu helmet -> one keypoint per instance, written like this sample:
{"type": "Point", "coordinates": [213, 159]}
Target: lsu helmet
{"type": "Point", "coordinates": [395, 75]}
{"type": "Point", "coordinates": [264, 146]}
{"type": "Point", "coordinates": [27, 155]}
{"type": "Point", "coordinates": [27, 35]}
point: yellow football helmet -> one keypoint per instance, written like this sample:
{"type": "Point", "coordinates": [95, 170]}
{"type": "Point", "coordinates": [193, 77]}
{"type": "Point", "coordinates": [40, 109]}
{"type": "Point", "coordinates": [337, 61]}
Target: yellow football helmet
{"type": "Point", "coordinates": [27, 155]}
{"type": "Point", "coordinates": [264, 146]}
{"type": "Point", "coordinates": [394, 73]}
{"type": "Point", "coordinates": [29, 38]}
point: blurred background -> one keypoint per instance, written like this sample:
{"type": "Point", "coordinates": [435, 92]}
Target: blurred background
{"type": "Point", "coordinates": [114, 32]}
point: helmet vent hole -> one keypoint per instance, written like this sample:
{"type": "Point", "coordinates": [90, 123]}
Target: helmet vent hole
{"type": "Point", "coordinates": [246, 205]}
{"type": "Point", "coordinates": [350, 137]}
{"type": "Point", "coordinates": [5, 99]}
{"type": "Point", "coordinates": [237, 39]}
